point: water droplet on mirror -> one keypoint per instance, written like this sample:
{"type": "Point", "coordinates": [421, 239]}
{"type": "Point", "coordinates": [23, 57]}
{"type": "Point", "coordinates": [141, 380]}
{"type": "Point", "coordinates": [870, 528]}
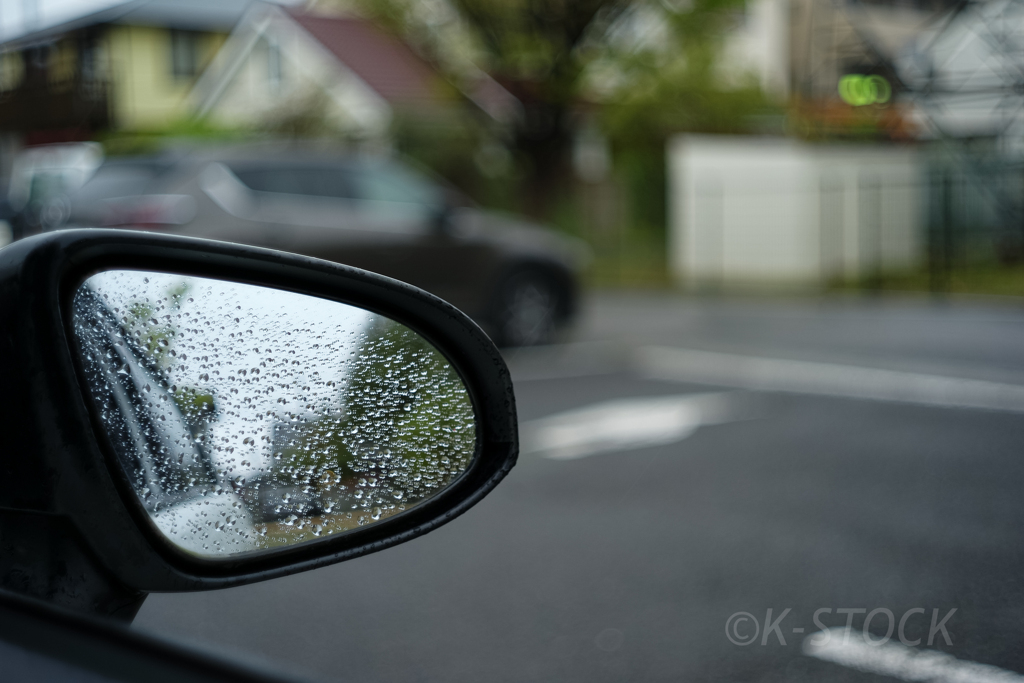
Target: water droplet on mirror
{"type": "Point", "coordinates": [350, 384]}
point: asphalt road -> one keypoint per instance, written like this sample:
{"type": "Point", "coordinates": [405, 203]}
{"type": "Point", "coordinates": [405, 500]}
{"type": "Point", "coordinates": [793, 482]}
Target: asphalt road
{"type": "Point", "coordinates": [789, 484]}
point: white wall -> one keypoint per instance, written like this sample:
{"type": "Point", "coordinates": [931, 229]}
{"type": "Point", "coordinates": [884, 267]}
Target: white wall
{"type": "Point", "coordinates": [746, 210]}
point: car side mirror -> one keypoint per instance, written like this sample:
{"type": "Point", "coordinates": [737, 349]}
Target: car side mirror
{"type": "Point", "coordinates": [185, 415]}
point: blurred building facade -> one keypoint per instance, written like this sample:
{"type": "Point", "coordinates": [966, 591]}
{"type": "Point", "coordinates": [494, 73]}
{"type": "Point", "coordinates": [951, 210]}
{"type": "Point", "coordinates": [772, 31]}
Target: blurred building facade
{"type": "Point", "coordinates": [964, 77]}
{"type": "Point", "coordinates": [799, 50]}
{"type": "Point", "coordinates": [147, 66]}
{"type": "Point", "coordinates": [130, 66]}
{"type": "Point", "coordinates": [831, 39]}
{"type": "Point", "coordinates": [283, 62]}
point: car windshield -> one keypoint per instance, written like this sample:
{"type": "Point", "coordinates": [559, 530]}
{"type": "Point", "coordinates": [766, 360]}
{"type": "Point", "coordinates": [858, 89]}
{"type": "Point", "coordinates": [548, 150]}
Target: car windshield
{"type": "Point", "coordinates": [367, 181]}
{"type": "Point", "coordinates": [320, 180]}
{"type": "Point", "coordinates": [121, 178]}
{"type": "Point", "coordinates": [389, 182]}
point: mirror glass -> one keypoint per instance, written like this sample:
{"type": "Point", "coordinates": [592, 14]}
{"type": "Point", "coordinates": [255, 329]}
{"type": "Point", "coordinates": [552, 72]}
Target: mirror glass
{"type": "Point", "coordinates": [249, 418]}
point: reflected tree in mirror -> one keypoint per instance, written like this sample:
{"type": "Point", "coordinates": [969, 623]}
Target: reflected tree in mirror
{"type": "Point", "coordinates": [248, 419]}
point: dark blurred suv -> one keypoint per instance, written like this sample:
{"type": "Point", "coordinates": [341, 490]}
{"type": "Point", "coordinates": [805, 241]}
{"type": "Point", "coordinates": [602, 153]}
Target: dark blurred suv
{"type": "Point", "coordinates": [518, 280]}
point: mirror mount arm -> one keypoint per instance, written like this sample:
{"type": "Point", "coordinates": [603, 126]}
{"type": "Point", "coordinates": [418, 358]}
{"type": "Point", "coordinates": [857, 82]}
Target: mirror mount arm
{"type": "Point", "coordinates": [43, 553]}
{"type": "Point", "coordinates": [44, 556]}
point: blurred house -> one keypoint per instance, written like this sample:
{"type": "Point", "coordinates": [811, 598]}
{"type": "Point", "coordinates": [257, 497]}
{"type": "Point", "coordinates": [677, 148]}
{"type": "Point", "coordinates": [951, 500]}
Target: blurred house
{"type": "Point", "coordinates": [747, 211]}
{"type": "Point", "coordinates": [965, 78]}
{"type": "Point", "coordinates": [130, 66]}
{"type": "Point", "coordinates": [285, 64]}
{"type": "Point", "coordinates": [798, 50]}
{"type": "Point", "coordinates": [829, 39]}
{"type": "Point", "coordinates": [865, 38]}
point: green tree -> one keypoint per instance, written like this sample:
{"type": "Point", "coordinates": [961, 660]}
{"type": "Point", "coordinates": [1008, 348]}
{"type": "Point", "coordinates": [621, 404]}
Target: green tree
{"type": "Point", "coordinates": [405, 427]}
{"type": "Point", "coordinates": [560, 57]}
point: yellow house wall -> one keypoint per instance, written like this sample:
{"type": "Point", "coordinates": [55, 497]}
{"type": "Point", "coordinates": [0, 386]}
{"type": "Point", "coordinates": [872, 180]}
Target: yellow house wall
{"type": "Point", "coordinates": [62, 63]}
{"type": "Point", "coordinates": [11, 70]}
{"type": "Point", "coordinates": [145, 93]}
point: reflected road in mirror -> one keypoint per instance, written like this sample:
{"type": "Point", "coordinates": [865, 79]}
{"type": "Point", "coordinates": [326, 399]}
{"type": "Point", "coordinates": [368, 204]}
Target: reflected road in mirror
{"type": "Point", "coordinates": [248, 418]}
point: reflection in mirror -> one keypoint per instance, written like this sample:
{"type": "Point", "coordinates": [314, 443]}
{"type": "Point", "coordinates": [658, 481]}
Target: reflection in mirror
{"type": "Point", "coordinates": [249, 418]}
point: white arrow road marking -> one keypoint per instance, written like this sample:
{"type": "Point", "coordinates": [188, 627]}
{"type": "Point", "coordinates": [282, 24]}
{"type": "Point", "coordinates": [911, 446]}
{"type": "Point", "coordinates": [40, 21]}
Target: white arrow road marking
{"type": "Point", "coordinates": [624, 424]}
{"type": "Point", "coordinates": [848, 381]}
{"type": "Point", "coordinates": [889, 658]}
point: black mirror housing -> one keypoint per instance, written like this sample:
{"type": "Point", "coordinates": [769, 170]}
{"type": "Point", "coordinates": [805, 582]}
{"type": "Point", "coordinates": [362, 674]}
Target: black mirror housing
{"type": "Point", "coordinates": [70, 531]}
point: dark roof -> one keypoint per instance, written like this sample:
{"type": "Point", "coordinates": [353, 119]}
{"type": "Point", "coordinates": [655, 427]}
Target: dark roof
{"type": "Point", "coordinates": [195, 15]}
{"type": "Point", "coordinates": [382, 61]}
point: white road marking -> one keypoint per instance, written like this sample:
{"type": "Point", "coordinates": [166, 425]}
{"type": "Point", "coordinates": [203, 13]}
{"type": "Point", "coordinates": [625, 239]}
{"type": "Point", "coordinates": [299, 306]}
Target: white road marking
{"type": "Point", "coordinates": [894, 659]}
{"type": "Point", "coordinates": [771, 374]}
{"type": "Point", "coordinates": [624, 424]}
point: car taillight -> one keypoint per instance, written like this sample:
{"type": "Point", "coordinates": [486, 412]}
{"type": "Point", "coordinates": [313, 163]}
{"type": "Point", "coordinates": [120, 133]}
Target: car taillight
{"type": "Point", "coordinates": [151, 210]}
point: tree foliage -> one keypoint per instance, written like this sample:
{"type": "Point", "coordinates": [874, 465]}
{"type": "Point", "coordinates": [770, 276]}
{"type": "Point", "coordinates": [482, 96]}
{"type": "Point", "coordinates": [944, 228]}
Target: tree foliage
{"type": "Point", "coordinates": [647, 67]}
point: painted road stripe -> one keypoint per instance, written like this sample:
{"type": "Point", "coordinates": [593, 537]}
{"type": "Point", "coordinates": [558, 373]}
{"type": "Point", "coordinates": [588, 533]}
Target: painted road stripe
{"type": "Point", "coordinates": [771, 374]}
{"type": "Point", "coordinates": [624, 424]}
{"type": "Point", "coordinates": [890, 658]}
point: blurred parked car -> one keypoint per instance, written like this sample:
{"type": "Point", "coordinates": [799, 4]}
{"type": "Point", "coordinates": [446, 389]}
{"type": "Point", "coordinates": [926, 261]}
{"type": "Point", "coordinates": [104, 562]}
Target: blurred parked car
{"type": "Point", "coordinates": [271, 501]}
{"type": "Point", "coordinates": [518, 280]}
{"type": "Point", "coordinates": [7, 215]}
{"type": "Point", "coordinates": [42, 180]}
